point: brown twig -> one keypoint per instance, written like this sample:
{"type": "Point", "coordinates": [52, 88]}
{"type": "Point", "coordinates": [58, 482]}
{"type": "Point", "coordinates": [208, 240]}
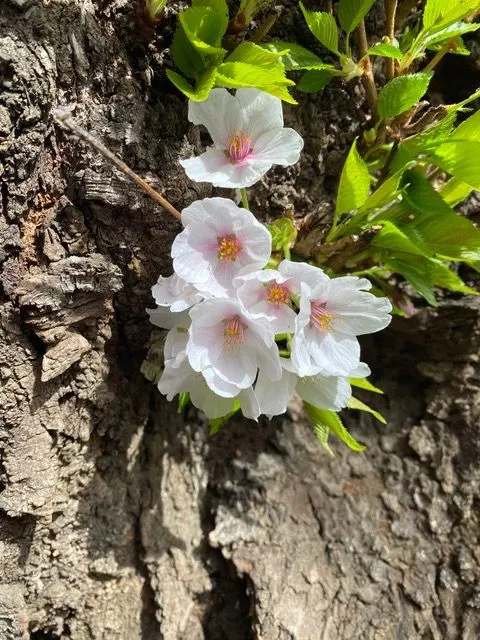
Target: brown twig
{"type": "Point", "coordinates": [64, 119]}
{"type": "Point", "coordinates": [390, 11]}
{"type": "Point", "coordinates": [367, 78]}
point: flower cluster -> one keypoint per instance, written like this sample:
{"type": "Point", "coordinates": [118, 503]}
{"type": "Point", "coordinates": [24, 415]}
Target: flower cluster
{"type": "Point", "coordinates": [243, 335]}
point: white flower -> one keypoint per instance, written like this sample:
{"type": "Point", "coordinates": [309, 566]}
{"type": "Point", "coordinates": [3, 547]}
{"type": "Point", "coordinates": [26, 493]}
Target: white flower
{"type": "Point", "coordinates": [331, 315]}
{"type": "Point", "coordinates": [165, 319]}
{"type": "Point", "coordinates": [267, 294]}
{"type": "Point", "coordinates": [327, 392]}
{"type": "Point", "coordinates": [219, 240]}
{"type": "Point", "coordinates": [248, 135]}
{"type": "Point", "coordinates": [178, 376]}
{"type": "Point", "coordinates": [229, 347]}
{"type": "Point", "coordinates": [175, 293]}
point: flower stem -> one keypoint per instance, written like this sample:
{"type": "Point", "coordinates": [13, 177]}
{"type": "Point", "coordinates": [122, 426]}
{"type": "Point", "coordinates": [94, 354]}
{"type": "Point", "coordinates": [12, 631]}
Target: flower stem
{"type": "Point", "coordinates": [63, 118]}
{"type": "Point", "coordinates": [390, 11]}
{"type": "Point", "coordinates": [286, 252]}
{"type": "Point", "coordinates": [367, 79]}
{"type": "Point", "coordinates": [243, 193]}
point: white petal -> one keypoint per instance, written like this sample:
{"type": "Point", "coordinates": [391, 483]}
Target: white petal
{"type": "Point", "coordinates": [362, 371]}
{"type": "Point", "coordinates": [175, 379]}
{"type": "Point", "coordinates": [301, 272]}
{"type": "Point", "coordinates": [335, 354]}
{"type": "Point", "coordinates": [218, 385]}
{"type": "Point", "coordinates": [249, 404]}
{"type": "Point", "coordinates": [212, 166]}
{"type": "Point", "coordinates": [329, 393]}
{"type": "Point", "coordinates": [189, 263]}
{"type": "Point", "coordinates": [261, 111]}
{"type": "Point", "coordinates": [279, 146]}
{"type": "Point", "coordinates": [273, 397]}
{"type": "Point", "coordinates": [165, 319]}
{"type": "Point", "coordinates": [210, 403]}
{"type": "Point", "coordinates": [175, 343]}
{"type": "Point", "coordinates": [219, 113]}
{"type": "Point", "coordinates": [360, 312]}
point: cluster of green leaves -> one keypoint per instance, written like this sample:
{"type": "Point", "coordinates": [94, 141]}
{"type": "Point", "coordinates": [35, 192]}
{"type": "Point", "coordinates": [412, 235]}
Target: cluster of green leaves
{"type": "Point", "coordinates": [416, 232]}
{"type": "Point", "coordinates": [204, 63]}
{"type": "Point", "coordinates": [442, 26]}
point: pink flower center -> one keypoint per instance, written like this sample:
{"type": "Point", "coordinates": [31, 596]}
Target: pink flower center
{"type": "Point", "coordinates": [277, 294]}
{"type": "Point", "coordinates": [228, 247]}
{"type": "Point", "coordinates": [234, 332]}
{"type": "Point", "coordinates": [320, 317]}
{"type": "Point", "coordinates": [240, 146]}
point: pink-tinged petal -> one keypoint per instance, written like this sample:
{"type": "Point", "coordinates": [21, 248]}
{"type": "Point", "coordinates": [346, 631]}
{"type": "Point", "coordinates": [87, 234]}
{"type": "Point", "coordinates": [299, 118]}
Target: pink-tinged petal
{"type": "Point", "coordinates": [175, 293]}
{"type": "Point", "coordinates": [284, 322]}
{"type": "Point", "coordinates": [218, 385]}
{"type": "Point", "coordinates": [279, 146]}
{"type": "Point", "coordinates": [301, 273]}
{"type": "Point", "coordinates": [261, 111]}
{"type": "Point", "coordinates": [274, 396]}
{"type": "Point", "coordinates": [219, 113]}
{"type": "Point", "coordinates": [239, 368]}
{"type": "Point", "coordinates": [224, 275]}
{"type": "Point", "coordinates": [212, 166]}
{"type": "Point", "coordinates": [175, 379]}
{"type": "Point", "coordinates": [360, 313]}
{"type": "Point", "coordinates": [213, 405]}
{"type": "Point", "coordinates": [331, 393]}
{"type": "Point", "coordinates": [334, 354]}
{"type": "Point", "coordinates": [249, 404]}
{"type": "Point", "coordinates": [188, 262]}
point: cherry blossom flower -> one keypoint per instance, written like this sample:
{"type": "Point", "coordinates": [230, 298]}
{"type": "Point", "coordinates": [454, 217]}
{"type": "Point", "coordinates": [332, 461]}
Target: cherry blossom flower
{"type": "Point", "coordinates": [229, 347]}
{"type": "Point", "coordinates": [248, 136]}
{"type": "Point", "coordinates": [178, 376]}
{"type": "Point", "coordinates": [331, 316]}
{"type": "Point", "coordinates": [219, 241]}
{"type": "Point", "coordinates": [267, 294]}
{"type": "Point", "coordinates": [175, 293]}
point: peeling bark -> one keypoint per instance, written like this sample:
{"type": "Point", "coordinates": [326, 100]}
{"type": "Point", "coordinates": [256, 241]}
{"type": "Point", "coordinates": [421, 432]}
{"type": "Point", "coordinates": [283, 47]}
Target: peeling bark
{"type": "Point", "coordinates": [120, 518]}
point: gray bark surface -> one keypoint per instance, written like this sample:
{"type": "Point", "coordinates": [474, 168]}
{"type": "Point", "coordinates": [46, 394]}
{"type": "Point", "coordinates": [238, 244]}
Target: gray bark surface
{"type": "Point", "coordinates": [120, 518]}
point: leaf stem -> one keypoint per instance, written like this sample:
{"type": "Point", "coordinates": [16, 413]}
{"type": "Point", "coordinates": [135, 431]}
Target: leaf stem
{"type": "Point", "coordinates": [367, 78]}
{"type": "Point", "coordinates": [243, 193]}
{"type": "Point", "coordinates": [64, 119]}
{"type": "Point", "coordinates": [440, 54]}
{"type": "Point", "coordinates": [265, 27]}
{"type": "Point", "coordinates": [390, 11]}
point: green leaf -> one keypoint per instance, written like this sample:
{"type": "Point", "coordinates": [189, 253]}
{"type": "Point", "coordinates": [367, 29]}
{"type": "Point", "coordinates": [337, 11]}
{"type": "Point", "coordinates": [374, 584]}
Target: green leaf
{"type": "Point", "coordinates": [442, 12]}
{"type": "Point", "coordinates": [322, 419]}
{"type": "Point", "coordinates": [251, 53]}
{"type": "Point", "coordinates": [323, 27]}
{"type": "Point", "coordinates": [444, 277]}
{"type": "Point", "coordinates": [354, 182]}
{"type": "Point", "coordinates": [355, 403]}
{"type": "Point", "coordinates": [202, 89]}
{"type": "Point", "coordinates": [241, 74]}
{"type": "Point", "coordinates": [469, 129]}
{"type": "Point", "coordinates": [283, 232]}
{"type": "Point", "coordinates": [294, 57]}
{"type": "Point", "coordinates": [386, 193]}
{"type": "Point", "coordinates": [446, 33]}
{"type": "Point", "coordinates": [402, 93]}
{"type": "Point", "coordinates": [392, 239]}
{"type": "Point", "coordinates": [315, 80]}
{"type": "Point", "coordinates": [352, 12]}
{"type": "Point", "coordinates": [386, 51]}
{"type": "Point", "coordinates": [215, 424]}
{"type": "Point", "coordinates": [455, 191]}
{"type": "Point", "coordinates": [363, 383]}
{"type": "Point", "coordinates": [183, 400]}
{"type": "Point", "coordinates": [460, 158]}
{"type": "Point", "coordinates": [187, 59]}
{"type": "Point", "coordinates": [204, 28]}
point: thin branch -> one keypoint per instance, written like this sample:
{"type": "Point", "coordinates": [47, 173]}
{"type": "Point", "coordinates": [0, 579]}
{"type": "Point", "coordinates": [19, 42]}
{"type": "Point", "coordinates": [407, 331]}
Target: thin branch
{"type": "Point", "coordinates": [64, 119]}
{"type": "Point", "coordinates": [367, 78]}
{"type": "Point", "coordinates": [390, 11]}
{"type": "Point", "coordinates": [447, 47]}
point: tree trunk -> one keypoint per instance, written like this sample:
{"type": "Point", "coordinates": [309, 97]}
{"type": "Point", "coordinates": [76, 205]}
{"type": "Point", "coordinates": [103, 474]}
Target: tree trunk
{"type": "Point", "coordinates": [120, 518]}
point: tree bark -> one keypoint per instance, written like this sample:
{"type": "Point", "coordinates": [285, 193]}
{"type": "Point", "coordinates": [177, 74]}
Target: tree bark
{"type": "Point", "coordinates": [120, 518]}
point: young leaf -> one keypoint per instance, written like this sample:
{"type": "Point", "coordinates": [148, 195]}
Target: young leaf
{"type": "Point", "coordinates": [446, 33]}
{"type": "Point", "coordinates": [354, 182]}
{"type": "Point", "coordinates": [469, 129]}
{"type": "Point", "coordinates": [460, 158]}
{"type": "Point", "coordinates": [323, 27]}
{"type": "Point", "coordinates": [293, 56]}
{"type": "Point", "coordinates": [444, 277]}
{"type": "Point", "coordinates": [401, 93]}
{"type": "Point", "coordinates": [241, 74]}
{"type": "Point", "coordinates": [386, 51]}
{"type": "Point", "coordinates": [187, 59]}
{"type": "Point", "coordinates": [204, 85]}
{"type": "Point", "coordinates": [183, 400]}
{"type": "Point", "coordinates": [283, 232]}
{"type": "Point", "coordinates": [251, 53]}
{"type": "Point", "coordinates": [215, 424]}
{"type": "Point", "coordinates": [315, 80]}
{"type": "Point", "coordinates": [355, 403]}
{"type": "Point", "coordinates": [331, 421]}
{"type": "Point", "coordinates": [455, 191]}
{"type": "Point", "coordinates": [363, 383]}
{"type": "Point", "coordinates": [441, 12]}
{"type": "Point", "coordinates": [352, 12]}
{"type": "Point", "coordinates": [204, 28]}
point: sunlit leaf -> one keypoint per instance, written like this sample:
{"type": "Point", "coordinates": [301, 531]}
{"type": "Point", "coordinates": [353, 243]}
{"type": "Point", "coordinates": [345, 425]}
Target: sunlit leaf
{"type": "Point", "coordinates": [352, 12]}
{"type": "Point", "coordinates": [355, 403]}
{"type": "Point", "coordinates": [323, 27]}
{"type": "Point", "coordinates": [386, 51]}
{"type": "Point", "coordinates": [354, 183]}
{"type": "Point", "coordinates": [402, 93]}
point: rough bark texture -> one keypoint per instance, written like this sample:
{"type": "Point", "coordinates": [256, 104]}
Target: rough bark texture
{"type": "Point", "coordinates": [120, 518]}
